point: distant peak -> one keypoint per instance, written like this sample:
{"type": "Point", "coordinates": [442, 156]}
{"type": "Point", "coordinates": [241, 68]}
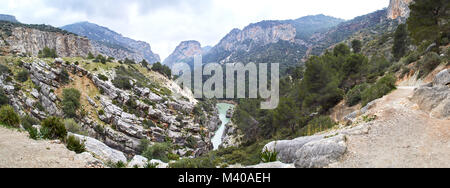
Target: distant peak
{"type": "Point", "coordinates": [9, 18]}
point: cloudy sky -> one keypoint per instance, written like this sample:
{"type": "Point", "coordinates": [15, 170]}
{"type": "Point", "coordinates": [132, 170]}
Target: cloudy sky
{"type": "Point", "coordinates": [165, 23]}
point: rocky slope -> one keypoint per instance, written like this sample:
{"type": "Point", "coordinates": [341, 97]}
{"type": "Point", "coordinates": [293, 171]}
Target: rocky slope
{"type": "Point", "coordinates": [113, 44]}
{"type": "Point", "coordinates": [184, 52]}
{"type": "Point", "coordinates": [113, 133]}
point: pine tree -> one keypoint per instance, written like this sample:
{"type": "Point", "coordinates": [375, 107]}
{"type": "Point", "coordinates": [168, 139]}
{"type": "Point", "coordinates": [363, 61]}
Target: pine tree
{"type": "Point", "coordinates": [356, 45]}
{"type": "Point", "coordinates": [429, 20]}
{"type": "Point", "coordinates": [400, 42]}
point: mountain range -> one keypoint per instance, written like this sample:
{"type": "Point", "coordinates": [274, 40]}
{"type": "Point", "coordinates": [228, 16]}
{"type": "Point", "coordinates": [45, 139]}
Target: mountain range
{"type": "Point", "coordinates": [113, 44]}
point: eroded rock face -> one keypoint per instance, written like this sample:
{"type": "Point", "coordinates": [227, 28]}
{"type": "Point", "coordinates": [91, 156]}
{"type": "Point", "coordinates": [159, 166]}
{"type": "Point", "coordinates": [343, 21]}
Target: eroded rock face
{"type": "Point", "coordinates": [184, 51]}
{"type": "Point", "coordinates": [399, 8]}
{"type": "Point", "coordinates": [30, 41]}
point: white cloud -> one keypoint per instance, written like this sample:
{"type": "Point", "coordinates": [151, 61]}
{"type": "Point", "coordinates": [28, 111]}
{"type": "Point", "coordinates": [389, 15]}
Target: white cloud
{"type": "Point", "coordinates": [165, 23]}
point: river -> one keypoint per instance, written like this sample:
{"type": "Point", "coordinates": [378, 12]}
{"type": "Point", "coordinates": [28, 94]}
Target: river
{"type": "Point", "coordinates": [223, 108]}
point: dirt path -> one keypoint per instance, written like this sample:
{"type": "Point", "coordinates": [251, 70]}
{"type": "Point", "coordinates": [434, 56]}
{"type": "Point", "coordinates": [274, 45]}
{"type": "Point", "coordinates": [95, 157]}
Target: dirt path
{"type": "Point", "coordinates": [402, 136]}
{"type": "Point", "coordinates": [19, 151]}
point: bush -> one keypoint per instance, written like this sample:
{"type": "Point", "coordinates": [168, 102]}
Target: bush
{"type": "Point", "coordinates": [428, 64]}
{"type": "Point", "coordinates": [102, 77]}
{"type": "Point", "coordinates": [22, 76]}
{"type": "Point", "coordinates": [28, 122]}
{"type": "Point", "coordinates": [74, 144]}
{"type": "Point", "coordinates": [122, 82]}
{"type": "Point", "coordinates": [143, 144]}
{"type": "Point", "coordinates": [163, 69]}
{"type": "Point", "coordinates": [4, 70]}
{"type": "Point", "coordinates": [54, 128]}
{"type": "Point", "coordinates": [73, 127]}
{"type": "Point", "coordinates": [353, 96]}
{"type": "Point", "coordinates": [157, 151]}
{"type": "Point", "coordinates": [3, 98]}
{"type": "Point", "coordinates": [383, 86]}
{"type": "Point", "coordinates": [148, 123]}
{"type": "Point", "coordinates": [47, 53]}
{"type": "Point", "coordinates": [101, 112]}
{"type": "Point", "coordinates": [64, 77]}
{"type": "Point", "coordinates": [9, 117]}
{"type": "Point", "coordinates": [414, 56]}
{"type": "Point", "coordinates": [71, 102]}
{"type": "Point", "coordinates": [269, 156]}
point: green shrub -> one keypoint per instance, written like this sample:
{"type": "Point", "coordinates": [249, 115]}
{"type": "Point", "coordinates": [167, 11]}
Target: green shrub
{"type": "Point", "coordinates": [158, 151]}
{"type": "Point", "coordinates": [39, 106]}
{"type": "Point", "coordinates": [47, 53]}
{"type": "Point", "coordinates": [122, 82]}
{"type": "Point", "coordinates": [102, 77]}
{"type": "Point", "coordinates": [64, 77]}
{"type": "Point", "coordinates": [101, 112]}
{"type": "Point", "coordinates": [413, 57]}
{"type": "Point", "coordinates": [269, 156]}
{"type": "Point", "coordinates": [3, 98]}
{"type": "Point", "coordinates": [55, 128]}
{"type": "Point", "coordinates": [9, 117]}
{"type": "Point", "coordinates": [28, 122]}
{"type": "Point", "coordinates": [151, 165]}
{"type": "Point", "coordinates": [90, 56]}
{"type": "Point", "coordinates": [22, 76]}
{"type": "Point", "coordinates": [73, 127]}
{"type": "Point", "coordinates": [71, 102]}
{"type": "Point", "coordinates": [353, 96]}
{"type": "Point", "coordinates": [428, 64]}
{"type": "Point", "coordinates": [163, 69]}
{"type": "Point", "coordinates": [119, 164]}
{"type": "Point", "coordinates": [148, 123]}
{"type": "Point", "coordinates": [34, 133]}
{"type": "Point", "coordinates": [74, 144]}
{"type": "Point", "coordinates": [4, 70]}
{"type": "Point", "coordinates": [143, 144]}
{"type": "Point", "coordinates": [383, 86]}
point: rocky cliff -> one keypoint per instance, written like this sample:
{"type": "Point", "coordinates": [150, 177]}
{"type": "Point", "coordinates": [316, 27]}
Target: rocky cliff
{"type": "Point", "coordinates": [24, 40]}
{"type": "Point", "coordinates": [398, 8]}
{"type": "Point", "coordinates": [113, 44]}
{"type": "Point", "coordinates": [8, 18]}
{"type": "Point", "coordinates": [183, 52]}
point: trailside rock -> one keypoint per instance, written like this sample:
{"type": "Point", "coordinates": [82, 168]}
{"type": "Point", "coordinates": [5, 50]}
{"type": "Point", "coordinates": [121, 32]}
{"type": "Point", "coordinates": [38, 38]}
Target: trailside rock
{"type": "Point", "coordinates": [138, 161]}
{"type": "Point", "coordinates": [287, 148]}
{"type": "Point", "coordinates": [321, 153]}
{"type": "Point", "coordinates": [433, 99]}
{"type": "Point", "coordinates": [442, 78]}
{"type": "Point", "coordinates": [101, 150]}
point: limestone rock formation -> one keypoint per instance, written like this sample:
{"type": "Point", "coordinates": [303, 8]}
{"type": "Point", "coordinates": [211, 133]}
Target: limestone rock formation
{"type": "Point", "coordinates": [30, 41]}
{"type": "Point", "coordinates": [321, 153]}
{"type": "Point", "coordinates": [435, 97]}
{"type": "Point", "coordinates": [398, 8]}
{"type": "Point", "coordinates": [101, 150]}
{"type": "Point", "coordinates": [184, 51]}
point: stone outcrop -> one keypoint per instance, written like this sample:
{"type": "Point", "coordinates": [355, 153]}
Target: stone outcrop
{"type": "Point", "coordinates": [101, 150]}
{"type": "Point", "coordinates": [30, 41]}
{"type": "Point", "coordinates": [321, 153]}
{"type": "Point", "coordinates": [435, 97]}
{"type": "Point", "coordinates": [399, 8]}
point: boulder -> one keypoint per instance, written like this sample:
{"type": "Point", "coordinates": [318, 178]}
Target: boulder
{"type": "Point", "coordinates": [442, 78]}
{"type": "Point", "coordinates": [321, 153]}
{"type": "Point", "coordinates": [433, 99]}
{"type": "Point", "coordinates": [138, 161]}
{"type": "Point", "coordinates": [159, 163]}
{"type": "Point", "coordinates": [287, 148]}
{"type": "Point", "coordinates": [101, 150]}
